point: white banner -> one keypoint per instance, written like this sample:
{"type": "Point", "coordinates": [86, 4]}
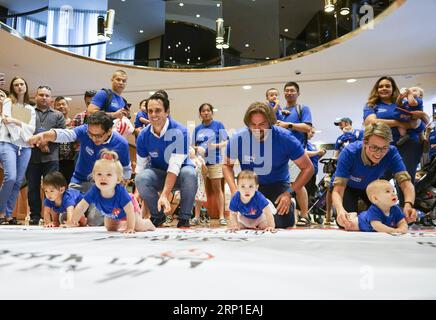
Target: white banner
{"type": "Point", "coordinates": [168, 264]}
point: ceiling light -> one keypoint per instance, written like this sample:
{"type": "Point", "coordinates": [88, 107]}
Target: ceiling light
{"type": "Point", "coordinates": [214, 109]}
{"type": "Point", "coordinates": [171, 58]}
{"type": "Point", "coordinates": [267, 58]}
{"type": "Point", "coordinates": [180, 43]}
{"type": "Point", "coordinates": [181, 4]}
{"type": "Point", "coordinates": [286, 30]}
{"type": "Point", "coordinates": [169, 47]}
{"type": "Point", "coordinates": [247, 45]}
{"type": "Point", "coordinates": [141, 31]}
{"type": "Point", "coordinates": [123, 0]}
{"type": "Point", "coordinates": [344, 11]}
{"type": "Point", "coordinates": [197, 15]}
{"type": "Point", "coordinates": [329, 6]}
{"type": "Point", "coordinates": [218, 5]}
{"type": "Point", "coordinates": [68, 98]}
{"type": "Point", "coordinates": [199, 58]}
{"type": "Point", "coordinates": [351, 80]}
{"type": "Point", "coordinates": [246, 87]}
{"type": "Point", "coordinates": [152, 92]}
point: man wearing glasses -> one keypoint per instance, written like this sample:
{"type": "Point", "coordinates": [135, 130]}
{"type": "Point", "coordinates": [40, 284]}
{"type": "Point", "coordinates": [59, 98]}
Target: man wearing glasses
{"type": "Point", "coordinates": [94, 136]}
{"type": "Point", "coordinates": [362, 162]}
{"type": "Point", "coordinates": [45, 158]}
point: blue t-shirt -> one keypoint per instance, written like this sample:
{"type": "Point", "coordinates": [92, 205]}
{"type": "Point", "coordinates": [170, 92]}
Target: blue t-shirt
{"type": "Point", "coordinates": [138, 123]}
{"type": "Point", "coordinates": [314, 159]}
{"type": "Point", "coordinates": [384, 111]}
{"type": "Point", "coordinates": [350, 166]}
{"type": "Point", "coordinates": [159, 150]}
{"type": "Point", "coordinates": [112, 208]}
{"type": "Point", "coordinates": [268, 158]}
{"type": "Point", "coordinates": [213, 133]}
{"type": "Point", "coordinates": [347, 138]}
{"type": "Point", "coordinates": [404, 116]}
{"type": "Point", "coordinates": [116, 104]}
{"type": "Point", "coordinates": [279, 115]}
{"type": "Point", "coordinates": [375, 214]}
{"type": "Point", "coordinates": [253, 209]}
{"type": "Point", "coordinates": [70, 198]}
{"type": "Point", "coordinates": [90, 153]}
{"type": "Point", "coordinates": [306, 117]}
{"type": "Point", "coordinates": [432, 139]}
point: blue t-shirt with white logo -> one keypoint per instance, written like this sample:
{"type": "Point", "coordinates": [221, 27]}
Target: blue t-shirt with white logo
{"type": "Point", "coordinates": [90, 153]}
{"type": "Point", "coordinates": [116, 104]}
{"type": "Point", "coordinates": [348, 137]}
{"type": "Point", "coordinates": [375, 214]}
{"type": "Point", "coordinates": [350, 166]}
{"type": "Point", "coordinates": [159, 150]}
{"type": "Point", "coordinates": [268, 158]}
{"type": "Point", "coordinates": [384, 111]}
{"type": "Point", "coordinates": [306, 117]}
{"type": "Point", "coordinates": [213, 133]}
{"type": "Point", "coordinates": [403, 116]}
{"type": "Point", "coordinates": [112, 208]}
{"type": "Point", "coordinates": [70, 198]}
{"type": "Point", "coordinates": [253, 209]}
{"type": "Point", "coordinates": [138, 123]}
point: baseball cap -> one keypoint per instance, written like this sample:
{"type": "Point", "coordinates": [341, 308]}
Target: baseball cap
{"type": "Point", "coordinates": [344, 119]}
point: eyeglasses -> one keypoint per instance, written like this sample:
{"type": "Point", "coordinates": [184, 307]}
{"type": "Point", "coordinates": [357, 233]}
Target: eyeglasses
{"type": "Point", "coordinates": [44, 87]}
{"type": "Point", "coordinates": [377, 149]}
{"type": "Point", "coordinates": [96, 136]}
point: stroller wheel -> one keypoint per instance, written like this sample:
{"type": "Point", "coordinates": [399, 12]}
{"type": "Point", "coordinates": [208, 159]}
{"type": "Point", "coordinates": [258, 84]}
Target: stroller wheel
{"type": "Point", "coordinates": [427, 221]}
{"type": "Point", "coordinates": [319, 220]}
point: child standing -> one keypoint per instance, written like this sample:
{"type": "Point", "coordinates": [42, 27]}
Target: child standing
{"type": "Point", "coordinates": [59, 201]}
{"type": "Point", "coordinates": [384, 215]}
{"type": "Point", "coordinates": [111, 198]}
{"type": "Point", "coordinates": [249, 209]}
{"type": "Point", "coordinates": [200, 196]}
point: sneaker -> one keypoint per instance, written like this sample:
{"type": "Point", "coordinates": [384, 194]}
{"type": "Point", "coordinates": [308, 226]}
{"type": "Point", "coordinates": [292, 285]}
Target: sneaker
{"type": "Point", "coordinates": [403, 140]}
{"type": "Point", "coordinates": [168, 221]}
{"type": "Point", "coordinates": [158, 221]}
{"type": "Point", "coordinates": [194, 222]}
{"type": "Point", "coordinates": [223, 221]}
{"type": "Point", "coordinates": [183, 223]}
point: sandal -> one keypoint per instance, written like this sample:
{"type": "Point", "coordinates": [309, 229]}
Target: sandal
{"type": "Point", "coordinates": [4, 221]}
{"type": "Point", "coordinates": [303, 222]}
{"type": "Point", "coordinates": [194, 222]}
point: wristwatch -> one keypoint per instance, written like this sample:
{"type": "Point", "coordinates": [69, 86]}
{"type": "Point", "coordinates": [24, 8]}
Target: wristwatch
{"type": "Point", "coordinates": [290, 125]}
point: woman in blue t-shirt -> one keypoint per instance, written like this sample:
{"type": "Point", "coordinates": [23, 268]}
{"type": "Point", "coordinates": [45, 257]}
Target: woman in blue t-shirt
{"type": "Point", "coordinates": [381, 106]}
{"type": "Point", "coordinates": [210, 137]}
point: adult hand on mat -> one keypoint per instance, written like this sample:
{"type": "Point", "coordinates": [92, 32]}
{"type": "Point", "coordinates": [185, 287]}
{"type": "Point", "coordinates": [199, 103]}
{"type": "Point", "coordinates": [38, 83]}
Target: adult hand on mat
{"type": "Point", "coordinates": [344, 218]}
{"type": "Point", "coordinates": [283, 203]}
{"type": "Point", "coordinates": [163, 204]}
{"type": "Point", "coordinates": [409, 212]}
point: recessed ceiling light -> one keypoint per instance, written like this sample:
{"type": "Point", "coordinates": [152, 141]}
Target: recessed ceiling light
{"type": "Point", "coordinates": [218, 5]}
{"type": "Point", "coordinates": [123, 0]}
{"type": "Point", "coordinates": [171, 58]}
{"type": "Point", "coordinates": [199, 58]}
{"type": "Point", "coordinates": [246, 87]}
{"type": "Point", "coordinates": [169, 47]}
{"type": "Point", "coordinates": [141, 31]}
{"type": "Point", "coordinates": [180, 43]}
{"type": "Point", "coordinates": [214, 109]}
{"type": "Point", "coordinates": [181, 4]}
{"type": "Point", "coordinates": [286, 30]}
{"type": "Point", "coordinates": [197, 15]}
{"type": "Point", "coordinates": [151, 92]}
{"type": "Point", "coordinates": [267, 58]}
{"type": "Point", "coordinates": [351, 80]}
{"type": "Point", "coordinates": [247, 45]}
{"type": "Point", "coordinates": [68, 98]}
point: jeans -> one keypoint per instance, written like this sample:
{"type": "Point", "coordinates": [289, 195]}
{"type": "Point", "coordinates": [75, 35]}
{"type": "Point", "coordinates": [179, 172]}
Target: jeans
{"type": "Point", "coordinates": [271, 192]}
{"type": "Point", "coordinates": [34, 173]}
{"type": "Point", "coordinates": [150, 181]}
{"type": "Point", "coordinates": [14, 160]}
{"type": "Point", "coordinates": [94, 216]}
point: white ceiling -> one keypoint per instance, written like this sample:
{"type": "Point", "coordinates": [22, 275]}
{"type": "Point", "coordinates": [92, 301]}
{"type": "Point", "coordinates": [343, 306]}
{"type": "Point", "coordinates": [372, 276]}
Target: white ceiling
{"type": "Point", "coordinates": [365, 56]}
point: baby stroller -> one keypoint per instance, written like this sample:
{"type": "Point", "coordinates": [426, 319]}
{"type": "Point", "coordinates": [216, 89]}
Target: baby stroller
{"type": "Point", "coordinates": [320, 204]}
{"type": "Point", "coordinates": [425, 200]}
